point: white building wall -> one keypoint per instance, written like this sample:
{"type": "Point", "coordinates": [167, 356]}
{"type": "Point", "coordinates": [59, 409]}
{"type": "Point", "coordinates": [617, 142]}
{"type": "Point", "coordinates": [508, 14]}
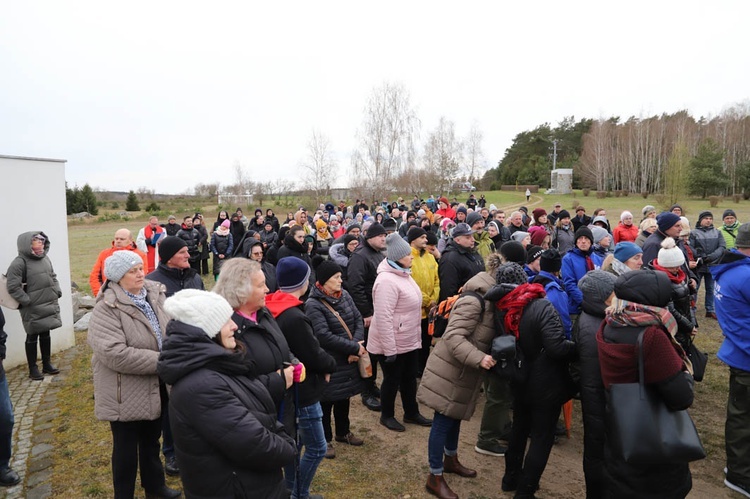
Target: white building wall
{"type": "Point", "coordinates": [33, 198]}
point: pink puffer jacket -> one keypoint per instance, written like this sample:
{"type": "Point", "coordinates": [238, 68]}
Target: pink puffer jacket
{"type": "Point", "coordinates": [397, 304]}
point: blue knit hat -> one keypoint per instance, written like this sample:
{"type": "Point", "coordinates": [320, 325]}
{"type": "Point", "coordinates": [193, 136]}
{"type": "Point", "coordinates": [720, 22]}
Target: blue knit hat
{"type": "Point", "coordinates": [625, 250]}
{"type": "Point", "coordinates": [666, 220]}
{"type": "Point", "coordinates": [291, 273]}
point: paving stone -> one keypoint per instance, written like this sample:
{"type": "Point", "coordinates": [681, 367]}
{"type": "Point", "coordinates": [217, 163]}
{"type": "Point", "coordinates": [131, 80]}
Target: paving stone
{"type": "Point", "coordinates": [41, 448]}
{"type": "Point", "coordinates": [43, 437]}
{"type": "Point", "coordinates": [43, 491]}
{"type": "Point", "coordinates": [39, 477]}
{"type": "Point", "coordinates": [40, 464]}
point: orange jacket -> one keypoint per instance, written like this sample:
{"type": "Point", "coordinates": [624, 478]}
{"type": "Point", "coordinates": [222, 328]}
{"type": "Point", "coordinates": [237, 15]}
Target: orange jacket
{"type": "Point", "coordinates": [96, 279]}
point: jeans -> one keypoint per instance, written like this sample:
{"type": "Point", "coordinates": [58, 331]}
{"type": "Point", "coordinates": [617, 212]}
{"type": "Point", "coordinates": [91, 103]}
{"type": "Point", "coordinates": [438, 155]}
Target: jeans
{"type": "Point", "coordinates": [443, 440]}
{"type": "Point", "coordinates": [401, 374]}
{"type": "Point", "coordinates": [312, 438]}
{"type": "Point", "coordinates": [340, 414]}
{"type": "Point", "coordinates": [6, 424]}
{"type": "Point", "coordinates": [709, 290]}
{"type": "Point", "coordinates": [136, 443]}
{"type": "Point", "coordinates": [737, 428]}
{"type": "Point", "coordinates": [496, 415]}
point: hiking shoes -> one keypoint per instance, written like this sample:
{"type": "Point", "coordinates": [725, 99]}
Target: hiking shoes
{"type": "Point", "coordinates": [490, 449]}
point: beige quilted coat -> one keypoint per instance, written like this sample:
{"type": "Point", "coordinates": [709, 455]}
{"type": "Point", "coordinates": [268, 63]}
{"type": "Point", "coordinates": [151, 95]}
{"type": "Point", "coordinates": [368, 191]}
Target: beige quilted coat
{"type": "Point", "coordinates": [450, 383]}
{"type": "Point", "coordinates": [126, 386]}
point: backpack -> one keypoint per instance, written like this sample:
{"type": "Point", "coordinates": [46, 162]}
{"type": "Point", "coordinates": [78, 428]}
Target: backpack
{"type": "Point", "coordinates": [511, 361]}
{"type": "Point", "coordinates": [439, 315]}
{"type": "Point", "coordinates": [6, 300]}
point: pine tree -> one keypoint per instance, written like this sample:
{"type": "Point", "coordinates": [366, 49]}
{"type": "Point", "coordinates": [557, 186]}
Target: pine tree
{"type": "Point", "coordinates": [706, 170]}
{"type": "Point", "coordinates": [87, 200]}
{"type": "Point", "coordinates": [132, 203]}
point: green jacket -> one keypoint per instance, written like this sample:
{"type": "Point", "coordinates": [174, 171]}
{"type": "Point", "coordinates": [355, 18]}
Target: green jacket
{"type": "Point", "coordinates": [729, 232]}
{"type": "Point", "coordinates": [483, 243]}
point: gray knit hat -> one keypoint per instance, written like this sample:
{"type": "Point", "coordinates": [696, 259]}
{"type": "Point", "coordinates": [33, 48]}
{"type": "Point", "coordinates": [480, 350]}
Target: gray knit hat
{"type": "Point", "coordinates": [117, 265]}
{"type": "Point", "coordinates": [203, 309]}
{"type": "Point", "coordinates": [743, 236]}
{"type": "Point", "coordinates": [396, 248]}
{"type": "Point", "coordinates": [597, 285]}
{"type": "Point", "coordinates": [510, 273]}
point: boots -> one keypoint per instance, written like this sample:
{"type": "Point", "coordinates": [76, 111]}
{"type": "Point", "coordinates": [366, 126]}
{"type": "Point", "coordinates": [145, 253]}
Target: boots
{"type": "Point", "coordinates": [437, 486]}
{"type": "Point", "coordinates": [31, 359]}
{"type": "Point", "coordinates": [451, 465]}
{"type": "Point", "coordinates": [45, 345]}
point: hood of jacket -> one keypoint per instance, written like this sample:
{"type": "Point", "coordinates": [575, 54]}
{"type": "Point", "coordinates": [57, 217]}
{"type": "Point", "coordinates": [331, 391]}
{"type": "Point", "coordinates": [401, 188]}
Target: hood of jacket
{"type": "Point", "coordinates": [385, 267]}
{"type": "Point", "coordinates": [291, 243]}
{"type": "Point", "coordinates": [187, 348]}
{"type": "Point", "coordinates": [729, 260]}
{"type": "Point", "coordinates": [24, 244]}
{"type": "Point", "coordinates": [278, 302]}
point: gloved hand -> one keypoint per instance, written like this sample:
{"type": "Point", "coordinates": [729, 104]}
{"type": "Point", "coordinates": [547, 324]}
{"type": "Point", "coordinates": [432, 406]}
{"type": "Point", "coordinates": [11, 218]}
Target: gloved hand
{"type": "Point", "coordinates": [390, 359]}
{"type": "Point", "coordinates": [299, 372]}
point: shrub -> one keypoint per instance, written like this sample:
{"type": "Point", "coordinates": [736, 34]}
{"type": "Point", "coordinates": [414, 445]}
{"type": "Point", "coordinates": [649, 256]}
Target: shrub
{"type": "Point", "coordinates": [601, 194]}
{"type": "Point", "coordinates": [746, 195]}
{"type": "Point", "coordinates": [115, 205]}
{"type": "Point", "coordinates": [618, 194]}
{"type": "Point", "coordinates": [714, 200]}
{"type": "Point", "coordinates": [736, 198]}
{"type": "Point", "coordinates": [661, 200]}
{"type": "Point", "coordinates": [626, 193]}
{"type": "Point", "coordinates": [586, 192]}
{"type": "Point", "coordinates": [153, 207]}
{"type": "Point", "coordinates": [644, 194]}
{"type": "Point", "coordinates": [575, 204]}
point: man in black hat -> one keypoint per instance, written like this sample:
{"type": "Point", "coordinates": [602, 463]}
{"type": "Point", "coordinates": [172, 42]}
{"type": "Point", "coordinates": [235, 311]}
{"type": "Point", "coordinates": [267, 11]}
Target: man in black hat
{"type": "Point", "coordinates": [459, 261]}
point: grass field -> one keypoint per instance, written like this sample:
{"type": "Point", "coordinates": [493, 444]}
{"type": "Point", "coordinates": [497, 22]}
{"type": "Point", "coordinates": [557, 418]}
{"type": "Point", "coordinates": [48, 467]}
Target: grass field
{"type": "Point", "coordinates": [388, 465]}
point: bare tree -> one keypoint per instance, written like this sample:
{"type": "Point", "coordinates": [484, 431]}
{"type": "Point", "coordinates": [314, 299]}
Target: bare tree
{"type": "Point", "coordinates": [386, 139]}
{"type": "Point", "coordinates": [474, 160]}
{"type": "Point", "coordinates": [443, 154]}
{"type": "Point", "coordinates": [319, 167]}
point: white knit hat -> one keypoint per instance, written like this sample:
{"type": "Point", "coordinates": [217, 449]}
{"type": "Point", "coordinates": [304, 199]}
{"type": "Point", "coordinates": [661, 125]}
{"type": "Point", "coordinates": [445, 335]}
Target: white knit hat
{"type": "Point", "coordinates": [669, 254]}
{"type": "Point", "coordinates": [202, 309]}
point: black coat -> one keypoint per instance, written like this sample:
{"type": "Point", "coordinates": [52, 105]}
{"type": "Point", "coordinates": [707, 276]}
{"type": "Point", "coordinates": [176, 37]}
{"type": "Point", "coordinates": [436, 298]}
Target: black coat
{"type": "Point", "coordinates": [176, 279]}
{"type": "Point", "coordinates": [228, 442]}
{"type": "Point", "coordinates": [298, 331]}
{"type": "Point", "coordinates": [593, 398]}
{"type": "Point", "coordinates": [361, 274]}
{"type": "Point", "coordinates": [456, 266]}
{"type": "Point", "coordinates": [345, 381]}
{"type": "Point", "coordinates": [192, 238]}
{"type": "Point", "coordinates": [292, 248]}
{"type": "Point", "coordinates": [203, 241]}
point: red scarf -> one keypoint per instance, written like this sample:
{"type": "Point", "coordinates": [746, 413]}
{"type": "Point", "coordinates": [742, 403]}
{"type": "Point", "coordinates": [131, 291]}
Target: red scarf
{"type": "Point", "coordinates": [589, 262]}
{"type": "Point", "coordinates": [678, 278]}
{"type": "Point", "coordinates": [514, 303]}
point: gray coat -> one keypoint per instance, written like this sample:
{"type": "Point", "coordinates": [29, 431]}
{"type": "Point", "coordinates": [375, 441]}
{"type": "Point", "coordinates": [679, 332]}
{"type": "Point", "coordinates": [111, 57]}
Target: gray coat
{"type": "Point", "coordinates": [38, 299]}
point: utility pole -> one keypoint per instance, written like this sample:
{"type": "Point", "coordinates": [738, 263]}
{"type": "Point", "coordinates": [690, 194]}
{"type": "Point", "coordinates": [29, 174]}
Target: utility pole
{"type": "Point", "coordinates": [554, 154]}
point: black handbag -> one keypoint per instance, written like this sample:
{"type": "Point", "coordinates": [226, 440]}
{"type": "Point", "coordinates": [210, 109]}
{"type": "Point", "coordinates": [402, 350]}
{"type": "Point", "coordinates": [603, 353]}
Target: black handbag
{"type": "Point", "coordinates": [699, 360]}
{"type": "Point", "coordinates": [642, 430]}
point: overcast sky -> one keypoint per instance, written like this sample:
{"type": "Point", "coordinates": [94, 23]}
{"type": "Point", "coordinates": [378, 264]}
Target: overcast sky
{"type": "Point", "coordinates": [165, 95]}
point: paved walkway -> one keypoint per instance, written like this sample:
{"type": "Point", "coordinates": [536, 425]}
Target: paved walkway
{"type": "Point", "coordinates": [34, 406]}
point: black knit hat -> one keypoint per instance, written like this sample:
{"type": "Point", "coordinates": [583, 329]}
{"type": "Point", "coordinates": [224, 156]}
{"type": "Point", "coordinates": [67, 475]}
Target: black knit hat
{"type": "Point", "coordinates": [375, 230]}
{"type": "Point", "coordinates": [512, 251]}
{"type": "Point", "coordinates": [473, 218]}
{"type": "Point", "coordinates": [585, 232]}
{"type": "Point", "coordinates": [533, 253]}
{"type": "Point", "coordinates": [646, 287]}
{"type": "Point", "coordinates": [349, 238]}
{"type": "Point", "coordinates": [169, 246]}
{"type": "Point", "coordinates": [325, 270]}
{"type": "Point", "coordinates": [432, 239]}
{"type": "Point", "coordinates": [551, 261]}
{"type": "Point", "coordinates": [563, 214]}
{"type": "Point", "coordinates": [353, 226]}
{"type": "Point", "coordinates": [390, 225]}
{"type": "Point", "coordinates": [415, 233]}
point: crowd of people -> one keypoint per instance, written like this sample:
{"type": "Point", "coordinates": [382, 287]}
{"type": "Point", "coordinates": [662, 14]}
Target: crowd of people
{"type": "Point", "coordinates": [249, 386]}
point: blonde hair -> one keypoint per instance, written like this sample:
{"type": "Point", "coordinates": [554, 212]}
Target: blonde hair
{"type": "Point", "coordinates": [647, 223]}
{"type": "Point", "coordinates": [234, 282]}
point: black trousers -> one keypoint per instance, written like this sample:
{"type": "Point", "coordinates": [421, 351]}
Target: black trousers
{"type": "Point", "coordinates": [399, 375]}
{"type": "Point", "coordinates": [369, 384]}
{"type": "Point", "coordinates": [538, 423]}
{"type": "Point", "coordinates": [136, 444]}
{"type": "Point", "coordinates": [424, 352]}
{"type": "Point", "coordinates": [340, 415]}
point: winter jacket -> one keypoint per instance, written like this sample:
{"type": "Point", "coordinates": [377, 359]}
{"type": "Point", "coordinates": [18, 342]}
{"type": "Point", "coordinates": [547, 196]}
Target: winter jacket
{"type": "Point", "coordinates": [483, 244]}
{"type": "Point", "coordinates": [96, 278]}
{"type": "Point", "coordinates": [563, 240]}
{"type": "Point", "coordinates": [192, 238]}
{"type": "Point", "coordinates": [579, 222]}
{"type": "Point", "coordinates": [680, 308]}
{"type": "Point", "coordinates": [298, 331]}
{"type": "Point", "coordinates": [38, 299]}
{"type": "Point", "coordinates": [292, 248]}
{"type": "Point", "coordinates": [424, 271]}
{"type": "Point", "coordinates": [730, 234]}
{"type": "Point", "coordinates": [642, 237]}
{"type": "Point", "coordinates": [452, 378]}
{"type": "Point", "coordinates": [547, 351]}
{"type": "Point", "coordinates": [593, 399]}
{"type": "Point", "coordinates": [457, 265]}
{"type": "Point", "coordinates": [573, 269]}
{"type": "Point", "coordinates": [228, 442]}
{"type": "Point", "coordinates": [172, 229]}
{"type": "Point", "coordinates": [176, 279]}
{"type": "Point", "coordinates": [340, 256]}
{"type": "Point", "coordinates": [651, 246]}
{"type": "Point", "coordinates": [733, 308]}
{"type": "Point", "coordinates": [663, 369]}
{"type": "Point", "coordinates": [267, 350]}
{"type": "Point", "coordinates": [625, 233]}
{"type": "Point", "coordinates": [556, 294]}
{"type": "Point", "coordinates": [361, 275]}
{"type": "Point", "coordinates": [708, 244]}
{"type": "Point", "coordinates": [125, 353]}
{"type": "Point", "coordinates": [345, 381]}
{"type": "Point", "coordinates": [395, 326]}
{"type": "Point", "coordinates": [221, 245]}
{"type": "Point", "coordinates": [268, 238]}
{"type": "Point", "coordinates": [237, 229]}
{"type": "Point", "coordinates": [203, 242]}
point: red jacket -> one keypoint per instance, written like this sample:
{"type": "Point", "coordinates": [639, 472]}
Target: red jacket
{"type": "Point", "coordinates": [625, 233]}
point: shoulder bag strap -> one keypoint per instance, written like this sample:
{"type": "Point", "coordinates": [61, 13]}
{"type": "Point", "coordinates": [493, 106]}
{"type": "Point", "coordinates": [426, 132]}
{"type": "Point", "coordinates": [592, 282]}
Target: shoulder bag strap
{"type": "Point", "coordinates": [338, 316]}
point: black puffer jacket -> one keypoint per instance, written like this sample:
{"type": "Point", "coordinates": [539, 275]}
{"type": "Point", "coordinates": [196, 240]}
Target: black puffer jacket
{"type": "Point", "coordinates": [456, 266]}
{"type": "Point", "coordinates": [228, 442]}
{"type": "Point", "coordinates": [680, 308]}
{"type": "Point", "coordinates": [361, 274]}
{"type": "Point", "coordinates": [593, 398]}
{"type": "Point", "coordinates": [192, 238]}
{"type": "Point", "coordinates": [345, 382]}
{"type": "Point", "coordinates": [292, 248]}
{"type": "Point", "coordinates": [176, 279]}
{"type": "Point", "coordinates": [203, 242]}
